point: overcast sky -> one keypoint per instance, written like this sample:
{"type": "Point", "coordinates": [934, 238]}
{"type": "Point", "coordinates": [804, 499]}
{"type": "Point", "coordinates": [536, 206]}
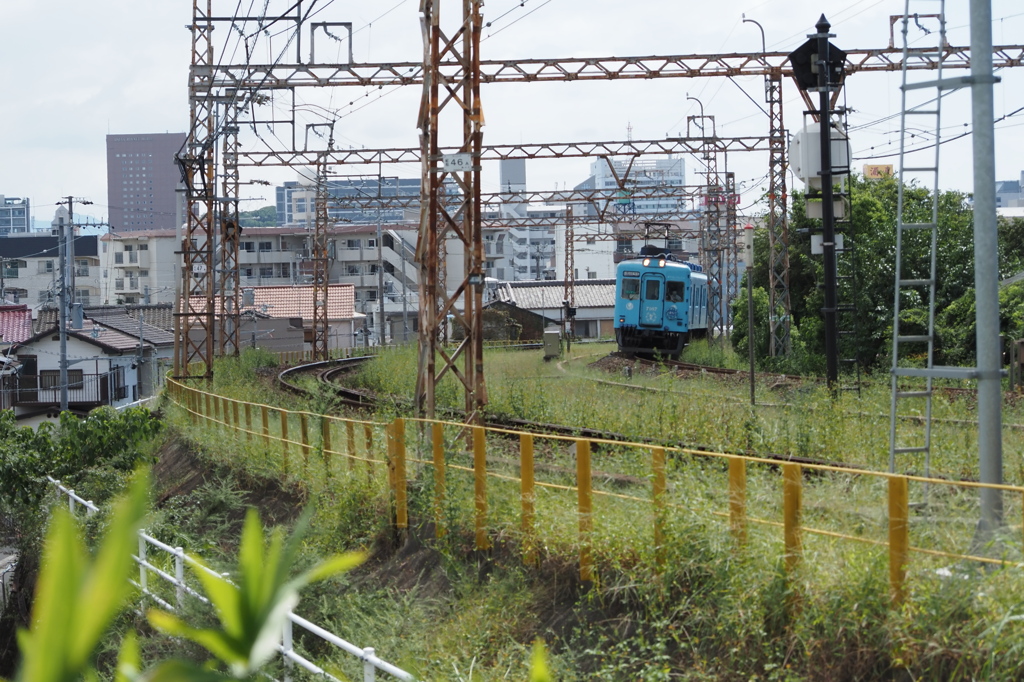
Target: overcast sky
{"type": "Point", "coordinates": [75, 71]}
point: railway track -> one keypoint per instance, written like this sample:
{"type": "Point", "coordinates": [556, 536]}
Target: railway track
{"type": "Point", "coordinates": [330, 371]}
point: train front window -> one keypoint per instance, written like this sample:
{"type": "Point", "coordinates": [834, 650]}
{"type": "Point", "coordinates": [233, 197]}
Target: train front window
{"type": "Point", "coordinates": [630, 288]}
{"type": "Point", "coordinates": [652, 290]}
{"type": "Point", "coordinates": [674, 292]}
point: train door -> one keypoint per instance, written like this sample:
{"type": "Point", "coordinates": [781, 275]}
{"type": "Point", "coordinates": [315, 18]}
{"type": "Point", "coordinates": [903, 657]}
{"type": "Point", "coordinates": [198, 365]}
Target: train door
{"type": "Point", "coordinates": [651, 299]}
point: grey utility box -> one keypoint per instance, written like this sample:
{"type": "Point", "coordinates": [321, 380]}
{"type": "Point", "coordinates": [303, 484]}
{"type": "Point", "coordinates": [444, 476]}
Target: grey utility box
{"type": "Point", "coordinates": [552, 343]}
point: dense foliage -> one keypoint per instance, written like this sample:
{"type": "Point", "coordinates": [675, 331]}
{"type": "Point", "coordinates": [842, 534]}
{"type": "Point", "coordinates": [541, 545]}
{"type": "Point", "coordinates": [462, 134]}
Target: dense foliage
{"type": "Point", "coordinates": [106, 437]}
{"type": "Point", "coordinates": [872, 231]}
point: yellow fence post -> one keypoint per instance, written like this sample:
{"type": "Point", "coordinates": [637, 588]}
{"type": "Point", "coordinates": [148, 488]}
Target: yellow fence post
{"type": "Point", "coordinates": [401, 504]}
{"type": "Point", "coordinates": [585, 508]}
{"type": "Point", "coordinates": [480, 485]}
{"type": "Point", "coordinates": [437, 438]}
{"type": "Point", "coordinates": [899, 537]}
{"type": "Point", "coordinates": [209, 406]}
{"type": "Point", "coordinates": [235, 421]}
{"type": "Point", "coordinates": [304, 431]}
{"type": "Point", "coordinates": [527, 495]}
{"type": "Point", "coordinates": [284, 441]}
{"type": "Point", "coordinates": [660, 486]}
{"type": "Point", "coordinates": [389, 445]}
{"type": "Point", "coordinates": [368, 440]}
{"type": "Point", "coordinates": [350, 431]}
{"type": "Point", "coordinates": [265, 416]}
{"type": "Point", "coordinates": [738, 499]}
{"type": "Point", "coordinates": [325, 441]}
{"type": "Point", "coordinates": [224, 412]}
{"type": "Point", "coordinates": [791, 503]}
{"type": "Point", "coordinates": [248, 421]}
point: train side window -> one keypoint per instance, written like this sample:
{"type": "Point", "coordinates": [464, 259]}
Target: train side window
{"type": "Point", "coordinates": [652, 292]}
{"type": "Point", "coordinates": [630, 288]}
{"type": "Point", "coordinates": [674, 292]}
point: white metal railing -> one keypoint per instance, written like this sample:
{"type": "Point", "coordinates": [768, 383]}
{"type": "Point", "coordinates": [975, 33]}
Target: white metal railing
{"type": "Point", "coordinates": [371, 663]}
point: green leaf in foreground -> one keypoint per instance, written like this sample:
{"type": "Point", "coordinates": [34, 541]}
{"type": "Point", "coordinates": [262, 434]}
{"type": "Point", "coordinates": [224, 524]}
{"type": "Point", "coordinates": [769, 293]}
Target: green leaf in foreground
{"type": "Point", "coordinates": [77, 597]}
{"type": "Point", "coordinates": [252, 614]}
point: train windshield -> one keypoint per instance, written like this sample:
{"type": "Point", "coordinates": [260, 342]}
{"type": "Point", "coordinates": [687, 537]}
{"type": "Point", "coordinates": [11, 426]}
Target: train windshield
{"type": "Point", "coordinates": [630, 288]}
{"type": "Point", "coordinates": [674, 292]}
{"type": "Point", "coordinates": [652, 290]}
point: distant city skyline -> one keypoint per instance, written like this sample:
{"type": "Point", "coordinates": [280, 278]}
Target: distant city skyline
{"type": "Point", "coordinates": [133, 79]}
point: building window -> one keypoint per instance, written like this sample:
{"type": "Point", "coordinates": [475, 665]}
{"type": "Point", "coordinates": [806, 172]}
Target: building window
{"type": "Point", "coordinates": [352, 243]}
{"type": "Point", "coordinates": [143, 247]}
{"type": "Point", "coordinates": [266, 246]}
{"type": "Point", "coordinates": [247, 246]}
{"type": "Point", "coordinates": [49, 379]}
{"type": "Point", "coordinates": [266, 271]}
{"type": "Point", "coordinates": [286, 270]}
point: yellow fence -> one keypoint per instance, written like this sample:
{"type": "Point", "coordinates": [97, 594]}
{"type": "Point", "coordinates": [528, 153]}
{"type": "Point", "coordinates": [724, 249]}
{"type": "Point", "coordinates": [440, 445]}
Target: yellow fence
{"type": "Point", "coordinates": [492, 461]}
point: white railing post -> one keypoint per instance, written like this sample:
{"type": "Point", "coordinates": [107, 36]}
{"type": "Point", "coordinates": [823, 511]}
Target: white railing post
{"type": "Point", "coordinates": [71, 500]}
{"type": "Point", "coordinates": [369, 670]}
{"type": "Point", "coordinates": [286, 646]}
{"type": "Point", "coordinates": [179, 575]}
{"type": "Point", "coordinates": [90, 508]}
{"type": "Point", "coordinates": [143, 574]}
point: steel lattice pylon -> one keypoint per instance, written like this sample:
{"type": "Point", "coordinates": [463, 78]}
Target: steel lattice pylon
{"type": "Point", "coordinates": [711, 224]}
{"type": "Point", "coordinates": [194, 318]}
{"type": "Point", "coordinates": [441, 219]}
{"type": "Point", "coordinates": [778, 221]}
{"type": "Point", "coordinates": [228, 284]}
{"type": "Point", "coordinates": [320, 266]}
{"type": "Point", "coordinates": [569, 290]}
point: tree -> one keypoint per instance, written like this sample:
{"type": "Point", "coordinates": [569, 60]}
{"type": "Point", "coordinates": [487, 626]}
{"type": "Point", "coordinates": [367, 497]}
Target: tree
{"type": "Point", "coordinates": [871, 268]}
{"type": "Point", "coordinates": [263, 217]}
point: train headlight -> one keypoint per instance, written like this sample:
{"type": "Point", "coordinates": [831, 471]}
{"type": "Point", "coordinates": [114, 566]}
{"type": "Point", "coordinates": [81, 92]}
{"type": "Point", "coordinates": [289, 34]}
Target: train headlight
{"type": "Point", "coordinates": [647, 261]}
{"type": "Point", "coordinates": [661, 263]}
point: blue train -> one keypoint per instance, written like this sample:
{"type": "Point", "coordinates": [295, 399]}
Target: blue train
{"type": "Point", "coordinates": [661, 303]}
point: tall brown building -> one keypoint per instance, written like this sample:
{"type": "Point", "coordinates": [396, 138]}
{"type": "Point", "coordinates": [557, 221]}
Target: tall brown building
{"type": "Point", "coordinates": [142, 181]}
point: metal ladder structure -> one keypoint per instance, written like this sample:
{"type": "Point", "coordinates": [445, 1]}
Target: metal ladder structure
{"type": "Point", "coordinates": [847, 269]}
{"type": "Point", "coordinates": [917, 231]}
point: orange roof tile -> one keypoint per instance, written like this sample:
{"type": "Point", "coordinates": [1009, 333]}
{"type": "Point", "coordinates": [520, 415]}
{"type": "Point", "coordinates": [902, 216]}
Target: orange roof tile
{"type": "Point", "coordinates": [297, 301]}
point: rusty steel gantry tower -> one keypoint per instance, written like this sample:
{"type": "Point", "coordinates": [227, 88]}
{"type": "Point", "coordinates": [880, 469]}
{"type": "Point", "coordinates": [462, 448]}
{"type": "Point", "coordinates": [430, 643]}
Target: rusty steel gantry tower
{"type": "Point", "coordinates": [451, 75]}
{"type": "Point", "coordinates": [458, 99]}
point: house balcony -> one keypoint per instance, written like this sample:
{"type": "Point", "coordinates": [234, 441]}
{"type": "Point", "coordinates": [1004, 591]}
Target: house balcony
{"type": "Point", "coordinates": [127, 284]}
{"type": "Point", "coordinates": [84, 390]}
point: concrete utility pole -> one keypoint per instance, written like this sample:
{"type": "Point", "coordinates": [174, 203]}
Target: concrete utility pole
{"type": "Point", "coordinates": [62, 303]}
{"type": "Point", "coordinates": [986, 271]}
{"type": "Point", "coordinates": [65, 246]}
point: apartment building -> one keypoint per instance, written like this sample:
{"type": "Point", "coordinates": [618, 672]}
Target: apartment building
{"type": "Point", "coordinates": [15, 215]}
{"type": "Point", "coordinates": [30, 266]}
{"type": "Point", "coordinates": [142, 181]}
{"type": "Point", "coordinates": [138, 266]}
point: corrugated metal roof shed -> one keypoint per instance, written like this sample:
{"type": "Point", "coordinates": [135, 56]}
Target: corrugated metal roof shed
{"type": "Point", "coordinates": [590, 293]}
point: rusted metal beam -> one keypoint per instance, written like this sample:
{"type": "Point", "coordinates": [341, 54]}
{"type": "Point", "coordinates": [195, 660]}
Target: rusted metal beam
{"type": "Point", "coordinates": [320, 267]}
{"type": "Point", "coordinates": [445, 102]}
{"type": "Point", "coordinates": [194, 316]}
{"type": "Point", "coordinates": [287, 76]}
{"type": "Point", "coordinates": [541, 150]}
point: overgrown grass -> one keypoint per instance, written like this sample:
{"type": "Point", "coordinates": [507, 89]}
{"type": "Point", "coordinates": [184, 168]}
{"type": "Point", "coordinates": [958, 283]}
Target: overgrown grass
{"type": "Point", "coordinates": [714, 611]}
